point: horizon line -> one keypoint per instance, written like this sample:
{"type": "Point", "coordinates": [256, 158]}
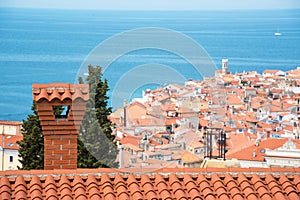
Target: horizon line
{"type": "Point", "coordinates": [183, 10]}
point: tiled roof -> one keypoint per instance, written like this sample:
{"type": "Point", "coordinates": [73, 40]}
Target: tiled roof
{"type": "Point", "coordinates": [60, 91]}
{"type": "Point", "coordinates": [10, 123]}
{"type": "Point", "coordinates": [234, 100]}
{"type": "Point", "coordinates": [10, 141]}
{"type": "Point", "coordinates": [186, 183]}
{"type": "Point", "coordinates": [270, 71]}
{"type": "Point", "coordinates": [247, 153]}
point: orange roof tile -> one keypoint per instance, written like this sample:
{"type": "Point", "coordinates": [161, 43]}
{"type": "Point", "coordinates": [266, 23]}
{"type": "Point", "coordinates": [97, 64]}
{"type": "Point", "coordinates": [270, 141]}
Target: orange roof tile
{"type": "Point", "coordinates": [166, 183]}
{"type": "Point", "coordinates": [203, 122]}
{"type": "Point", "coordinates": [247, 153]}
{"type": "Point", "coordinates": [10, 141]}
{"type": "Point", "coordinates": [233, 99]}
{"type": "Point", "coordinates": [270, 71]}
{"type": "Point", "coordinates": [10, 123]}
{"type": "Point", "coordinates": [60, 91]}
{"type": "Point", "coordinates": [188, 157]}
{"type": "Point", "coordinates": [238, 142]}
{"type": "Point", "coordinates": [130, 140]}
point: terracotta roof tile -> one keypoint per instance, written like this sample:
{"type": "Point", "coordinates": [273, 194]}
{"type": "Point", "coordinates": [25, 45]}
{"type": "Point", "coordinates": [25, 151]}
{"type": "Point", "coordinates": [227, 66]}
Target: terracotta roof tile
{"type": "Point", "coordinates": [121, 187]}
{"type": "Point", "coordinates": [247, 187]}
{"type": "Point", "coordinates": [92, 188]}
{"type": "Point", "coordinates": [233, 187]}
{"type": "Point", "coordinates": [10, 123]}
{"type": "Point", "coordinates": [260, 187]}
{"type": "Point", "coordinates": [65, 188]}
{"type": "Point", "coordinates": [50, 188]}
{"type": "Point", "coordinates": [60, 91]}
{"type": "Point", "coordinates": [186, 183]}
{"type": "Point", "coordinates": [78, 188]}
{"type": "Point", "coordinates": [162, 186]}
{"type": "Point", "coordinates": [219, 187]}
{"type": "Point", "coordinates": [5, 188]}
{"type": "Point", "coordinates": [20, 188]}
{"type": "Point", "coordinates": [288, 187]}
{"type": "Point", "coordinates": [177, 188]}
{"type": "Point", "coordinates": [36, 189]}
{"type": "Point", "coordinates": [205, 187]}
{"type": "Point", "coordinates": [191, 187]}
{"type": "Point", "coordinates": [10, 141]}
{"type": "Point", "coordinates": [134, 187]}
{"type": "Point", "coordinates": [274, 187]}
{"type": "Point", "coordinates": [148, 187]}
{"type": "Point", "coordinates": [107, 187]}
{"type": "Point", "coordinates": [297, 181]}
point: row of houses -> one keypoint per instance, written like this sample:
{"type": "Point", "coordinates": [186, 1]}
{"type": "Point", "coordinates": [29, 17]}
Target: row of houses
{"type": "Point", "coordinates": [257, 115]}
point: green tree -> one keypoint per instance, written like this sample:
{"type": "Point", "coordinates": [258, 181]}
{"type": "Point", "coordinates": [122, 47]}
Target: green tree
{"type": "Point", "coordinates": [31, 148]}
{"type": "Point", "coordinates": [96, 147]}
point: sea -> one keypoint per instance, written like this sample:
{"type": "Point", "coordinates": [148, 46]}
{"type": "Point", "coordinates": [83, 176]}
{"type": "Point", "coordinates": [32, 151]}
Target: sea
{"type": "Point", "coordinates": [44, 46]}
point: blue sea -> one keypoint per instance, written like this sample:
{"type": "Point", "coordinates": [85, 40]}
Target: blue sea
{"type": "Point", "coordinates": [43, 46]}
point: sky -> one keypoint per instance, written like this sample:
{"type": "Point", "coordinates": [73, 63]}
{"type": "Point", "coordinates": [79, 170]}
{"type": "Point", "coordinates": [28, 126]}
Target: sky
{"type": "Point", "coordinates": [153, 4]}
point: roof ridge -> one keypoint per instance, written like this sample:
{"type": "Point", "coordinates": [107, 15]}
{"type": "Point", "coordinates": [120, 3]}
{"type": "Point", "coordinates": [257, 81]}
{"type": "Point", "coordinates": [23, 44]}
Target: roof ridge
{"type": "Point", "coordinates": [111, 172]}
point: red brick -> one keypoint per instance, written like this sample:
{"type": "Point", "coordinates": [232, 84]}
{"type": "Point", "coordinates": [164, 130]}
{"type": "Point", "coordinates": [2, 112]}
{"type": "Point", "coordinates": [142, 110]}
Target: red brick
{"type": "Point", "coordinates": [58, 152]}
{"type": "Point", "coordinates": [48, 162]}
{"type": "Point", "coordinates": [52, 147]}
{"type": "Point", "coordinates": [56, 167]}
{"type": "Point", "coordinates": [71, 156]}
{"type": "Point", "coordinates": [47, 167]}
{"type": "Point", "coordinates": [74, 132]}
{"type": "Point", "coordinates": [70, 136]}
{"type": "Point", "coordinates": [51, 157]}
{"type": "Point", "coordinates": [73, 151]}
{"type": "Point", "coordinates": [46, 118]}
{"type": "Point", "coordinates": [73, 166]}
{"type": "Point", "coordinates": [47, 152]}
{"type": "Point", "coordinates": [62, 141]}
{"type": "Point", "coordinates": [46, 141]}
{"type": "Point", "coordinates": [73, 161]}
{"type": "Point", "coordinates": [59, 162]}
{"type": "Point", "coordinates": [69, 146]}
{"type": "Point", "coordinates": [52, 136]}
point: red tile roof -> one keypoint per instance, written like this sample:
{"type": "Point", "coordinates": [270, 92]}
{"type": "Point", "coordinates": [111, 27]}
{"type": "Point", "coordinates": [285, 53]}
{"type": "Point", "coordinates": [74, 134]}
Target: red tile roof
{"type": "Point", "coordinates": [10, 141]}
{"type": "Point", "coordinates": [233, 99]}
{"type": "Point", "coordinates": [60, 91]}
{"type": "Point", "coordinates": [186, 183]}
{"type": "Point", "coordinates": [10, 123]}
{"type": "Point", "coordinates": [247, 153]}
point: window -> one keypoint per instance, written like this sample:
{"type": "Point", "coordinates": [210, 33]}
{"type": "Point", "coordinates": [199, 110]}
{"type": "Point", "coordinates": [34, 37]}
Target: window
{"type": "Point", "coordinates": [262, 151]}
{"type": "Point", "coordinates": [10, 144]}
{"type": "Point", "coordinates": [11, 159]}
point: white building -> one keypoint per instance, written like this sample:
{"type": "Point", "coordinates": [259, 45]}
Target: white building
{"type": "Point", "coordinates": [10, 133]}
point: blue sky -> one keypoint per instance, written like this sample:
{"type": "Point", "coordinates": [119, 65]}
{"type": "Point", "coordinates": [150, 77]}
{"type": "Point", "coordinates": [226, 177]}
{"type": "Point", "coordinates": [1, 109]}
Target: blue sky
{"type": "Point", "coordinates": [153, 4]}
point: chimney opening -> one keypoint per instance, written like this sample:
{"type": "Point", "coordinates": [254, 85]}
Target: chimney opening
{"type": "Point", "coordinates": [61, 112]}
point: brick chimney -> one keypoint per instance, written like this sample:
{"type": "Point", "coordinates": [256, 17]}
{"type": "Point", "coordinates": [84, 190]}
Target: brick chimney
{"type": "Point", "coordinates": [60, 131]}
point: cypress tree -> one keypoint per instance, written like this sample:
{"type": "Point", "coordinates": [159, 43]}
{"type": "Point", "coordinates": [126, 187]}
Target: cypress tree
{"type": "Point", "coordinates": [96, 147]}
{"type": "Point", "coordinates": [31, 148]}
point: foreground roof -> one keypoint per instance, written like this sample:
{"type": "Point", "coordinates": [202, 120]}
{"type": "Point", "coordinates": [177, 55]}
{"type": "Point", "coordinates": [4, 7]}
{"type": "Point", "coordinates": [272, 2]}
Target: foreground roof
{"type": "Point", "coordinates": [230, 183]}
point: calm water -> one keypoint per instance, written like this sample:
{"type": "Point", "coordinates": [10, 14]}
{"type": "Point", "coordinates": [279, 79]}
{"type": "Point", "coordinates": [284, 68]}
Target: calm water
{"type": "Point", "coordinates": [42, 46]}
